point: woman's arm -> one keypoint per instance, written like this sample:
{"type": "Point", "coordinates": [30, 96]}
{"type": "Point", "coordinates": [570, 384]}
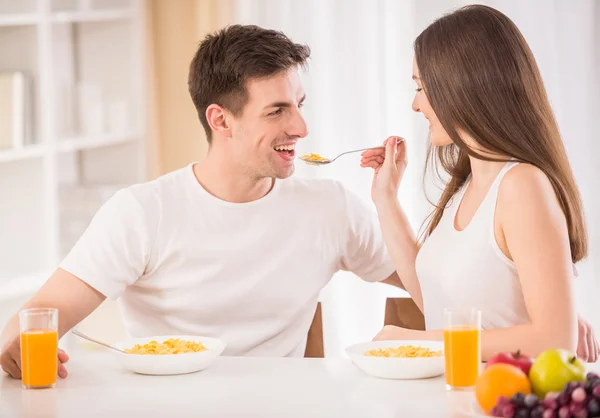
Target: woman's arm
{"type": "Point", "coordinates": [534, 233]}
{"type": "Point", "coordinates": [402, 246]}
{"type": "Point", "coordinates": [389, 165]}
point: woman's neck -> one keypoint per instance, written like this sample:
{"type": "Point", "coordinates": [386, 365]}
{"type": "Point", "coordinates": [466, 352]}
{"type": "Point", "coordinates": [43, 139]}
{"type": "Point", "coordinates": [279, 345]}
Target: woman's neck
{"type": "Point", "coordinates": [484, 172]}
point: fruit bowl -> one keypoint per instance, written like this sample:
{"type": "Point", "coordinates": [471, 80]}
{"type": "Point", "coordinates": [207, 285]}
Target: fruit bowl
{"type": "Point", "coordinates": [398, 367]}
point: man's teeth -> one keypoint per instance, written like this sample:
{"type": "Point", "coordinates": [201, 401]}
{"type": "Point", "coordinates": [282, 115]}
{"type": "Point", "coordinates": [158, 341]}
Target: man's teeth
{"type": "Point", "coordinates": [284, 148]}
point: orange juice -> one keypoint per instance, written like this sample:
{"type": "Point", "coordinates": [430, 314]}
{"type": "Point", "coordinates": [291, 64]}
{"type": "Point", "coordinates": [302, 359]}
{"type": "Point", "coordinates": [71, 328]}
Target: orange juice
{"type": "Point", "coordinates": [462, 353]}
{"type": "Point", "coordinates": [39, 351]}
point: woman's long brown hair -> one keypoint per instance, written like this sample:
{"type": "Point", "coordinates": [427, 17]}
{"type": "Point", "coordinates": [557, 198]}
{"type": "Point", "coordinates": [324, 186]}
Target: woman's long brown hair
{"type": "Point", "coordinates": [481, 78]}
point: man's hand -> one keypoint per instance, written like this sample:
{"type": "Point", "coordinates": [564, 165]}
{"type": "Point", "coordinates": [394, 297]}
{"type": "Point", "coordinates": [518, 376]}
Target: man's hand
{"type": "Point", "coordinates": [10, 359]}
{"type": "Point", "coordinates": [74, 299]}
{"type": "Point", "coordinates": [588, 348]}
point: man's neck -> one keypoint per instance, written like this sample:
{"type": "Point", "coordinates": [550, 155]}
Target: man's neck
{"type": "Point", "coordinates": [228, 183]}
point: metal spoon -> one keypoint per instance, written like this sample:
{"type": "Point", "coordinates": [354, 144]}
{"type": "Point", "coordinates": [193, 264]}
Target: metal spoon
{"type": "Point", "coordinates": [329, 161]}
{"type": "Point", "coordinates": [79, 334]}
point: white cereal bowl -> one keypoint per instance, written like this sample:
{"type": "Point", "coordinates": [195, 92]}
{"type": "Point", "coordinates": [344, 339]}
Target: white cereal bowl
{"type": "Point", "coordinates": [169, 364]}
{"type": "Point", "coordinates": [398, 367]}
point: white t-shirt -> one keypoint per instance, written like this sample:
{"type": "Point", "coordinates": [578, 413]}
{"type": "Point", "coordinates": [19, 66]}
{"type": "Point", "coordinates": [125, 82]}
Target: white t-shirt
{"type": "Point", "coordinates": [185, 262]}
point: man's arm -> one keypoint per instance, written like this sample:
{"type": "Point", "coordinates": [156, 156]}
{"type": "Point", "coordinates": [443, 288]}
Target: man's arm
{"type": "Point", "coordinates": [73, 298]}
{"type": "Point", "coordinates": [364, 251]}
{"type": "Point", "coordinates": [110, 255]}
{"type": "Point", "coordinates": [394, 280]}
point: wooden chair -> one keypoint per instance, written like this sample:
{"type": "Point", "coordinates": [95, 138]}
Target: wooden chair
{"type": "Point", "coordinates": [403, 312]}
{"type": "Point", "coordinates": [314, 343]}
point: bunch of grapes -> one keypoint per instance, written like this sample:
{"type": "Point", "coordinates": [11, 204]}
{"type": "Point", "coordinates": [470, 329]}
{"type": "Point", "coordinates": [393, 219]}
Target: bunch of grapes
{"type": "Point", "coordinates": [577, 400]}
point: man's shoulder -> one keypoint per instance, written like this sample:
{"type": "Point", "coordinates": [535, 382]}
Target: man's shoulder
{"type": "Point", "coordinates": [152, 192]}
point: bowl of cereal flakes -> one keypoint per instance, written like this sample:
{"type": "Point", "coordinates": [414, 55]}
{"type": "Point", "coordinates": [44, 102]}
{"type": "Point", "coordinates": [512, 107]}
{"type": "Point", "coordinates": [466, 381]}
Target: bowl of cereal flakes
{"type": "Point", "coordinates": [399, 359]}
{"type": "Point", "coordinates": [169, 354]}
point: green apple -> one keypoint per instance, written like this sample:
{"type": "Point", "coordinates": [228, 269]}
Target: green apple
{"type": "Point", "coordinates": [552, 369]}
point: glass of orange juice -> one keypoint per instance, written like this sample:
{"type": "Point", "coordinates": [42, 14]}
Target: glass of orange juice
{"type": "Point", "coordinates": [462, 348]}
{"type": "Point", "coordinates": [39, 347]}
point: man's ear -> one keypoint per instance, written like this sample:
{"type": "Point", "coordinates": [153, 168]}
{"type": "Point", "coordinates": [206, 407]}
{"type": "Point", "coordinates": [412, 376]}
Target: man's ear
{"type": "Point", "coordinates": [218, 121]}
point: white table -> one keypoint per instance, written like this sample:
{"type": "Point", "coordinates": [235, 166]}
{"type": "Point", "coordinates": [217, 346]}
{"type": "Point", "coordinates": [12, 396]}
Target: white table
{"type": "Point", "coordinates": [232, 387]}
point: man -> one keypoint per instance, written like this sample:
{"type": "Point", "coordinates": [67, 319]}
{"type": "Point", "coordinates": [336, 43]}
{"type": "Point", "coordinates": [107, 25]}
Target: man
{"type": "Point", "coordinates": [230, 247]}
{"type": "Point", "coordinates": [234, 246]}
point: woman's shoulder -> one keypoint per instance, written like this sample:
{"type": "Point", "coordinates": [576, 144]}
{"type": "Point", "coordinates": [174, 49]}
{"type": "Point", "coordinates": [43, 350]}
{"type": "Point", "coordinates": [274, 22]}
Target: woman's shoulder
{"type": "Point", "coordinates": [525, 180]}
{"type": "Point", "coordinates": [525, 188]}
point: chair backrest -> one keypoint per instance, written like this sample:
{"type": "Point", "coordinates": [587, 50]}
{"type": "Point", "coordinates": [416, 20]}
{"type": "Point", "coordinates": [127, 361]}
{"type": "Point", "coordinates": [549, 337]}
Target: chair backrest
{"type": "Point", "coordinates": [314, 342]}
{"type": "Point", "coordinates": [403, 312]}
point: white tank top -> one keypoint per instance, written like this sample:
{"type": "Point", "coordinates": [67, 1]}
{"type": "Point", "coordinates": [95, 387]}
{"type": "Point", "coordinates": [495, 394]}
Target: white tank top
{"type": "Point", "coordinates": [464, 269]}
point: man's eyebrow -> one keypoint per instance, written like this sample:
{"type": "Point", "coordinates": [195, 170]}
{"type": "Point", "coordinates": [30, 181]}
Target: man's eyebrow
{"type": "Point", "coordinates": [284, 104]}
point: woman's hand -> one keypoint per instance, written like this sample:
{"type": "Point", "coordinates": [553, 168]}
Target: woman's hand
{"type": "Point", "coordinates": [391, 332]}
{"type": "Point", "coordinates": [389, 165]}
{"type": "Point", "coordinates": [588, 348]}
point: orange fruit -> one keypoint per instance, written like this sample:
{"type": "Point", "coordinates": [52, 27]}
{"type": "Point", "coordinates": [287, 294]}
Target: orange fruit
{"type": "Point", "coordinates": [500, 379]}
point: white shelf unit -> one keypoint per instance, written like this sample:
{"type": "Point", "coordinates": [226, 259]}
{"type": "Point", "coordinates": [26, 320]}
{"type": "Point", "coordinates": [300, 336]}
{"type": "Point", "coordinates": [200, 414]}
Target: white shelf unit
{"type": "Point", "coordinates": [25, 153]}
{"type": "Point", "coordinates": [85, 64]}
{"type": "Point", "coordinates": [91, 16]}
{"type": "Point", "coordinates": [19, 19]}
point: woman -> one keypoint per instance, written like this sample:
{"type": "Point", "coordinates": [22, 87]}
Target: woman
{"type": "Point", "coordinates": [509, 225]}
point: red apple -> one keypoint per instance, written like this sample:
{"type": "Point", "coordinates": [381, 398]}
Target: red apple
{"type": "Point", "coordinates": [517, 359]}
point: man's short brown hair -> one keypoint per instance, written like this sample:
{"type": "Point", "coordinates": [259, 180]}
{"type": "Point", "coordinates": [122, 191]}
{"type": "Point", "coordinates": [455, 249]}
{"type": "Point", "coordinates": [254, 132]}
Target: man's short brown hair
{"type": "Point", "coordinates": [225, 60]}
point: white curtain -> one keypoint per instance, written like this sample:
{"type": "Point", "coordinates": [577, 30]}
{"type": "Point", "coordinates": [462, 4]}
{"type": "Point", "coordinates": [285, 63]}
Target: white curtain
{"type": "Point", "coordinates": [359, 91]}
